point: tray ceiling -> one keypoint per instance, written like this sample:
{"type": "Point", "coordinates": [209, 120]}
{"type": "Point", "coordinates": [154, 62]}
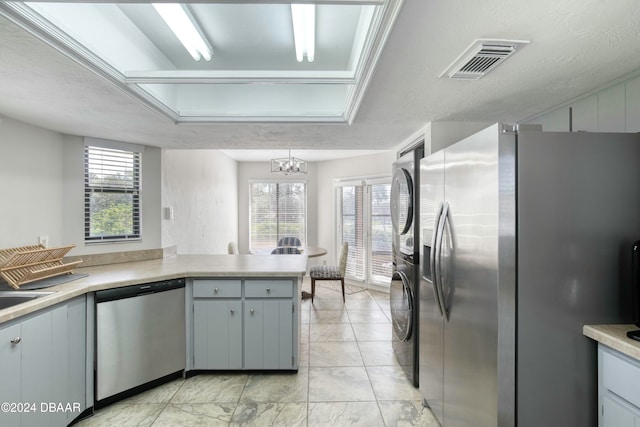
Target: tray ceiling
{"type": "Point", "coordinates": [253, 75]}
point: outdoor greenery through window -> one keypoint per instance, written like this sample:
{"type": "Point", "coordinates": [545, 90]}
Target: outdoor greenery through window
{"type": "Point", "coordinates": [278, 209]}
{"type": "Point", "coordinates": [111, 194]}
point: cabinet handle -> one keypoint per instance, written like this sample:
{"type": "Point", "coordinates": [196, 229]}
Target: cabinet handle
{"type": "Point", "coordinates": [215, 291]}
{"type": "Point", "coordinates": [252, 311]}
{"type": "Point", "coordinates": [232, 311]}
{"type": "Point", "coordinates": [16, 340]}
{"type": "Point", "coordinates": [268, 290]}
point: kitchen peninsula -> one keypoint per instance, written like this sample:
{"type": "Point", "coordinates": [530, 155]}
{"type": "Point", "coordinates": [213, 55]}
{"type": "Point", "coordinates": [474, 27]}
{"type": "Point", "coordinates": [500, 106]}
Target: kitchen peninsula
{"type": "Point", "coordinates": [177, 266]}
{"type": "Point", "coordinates": [236, 312]}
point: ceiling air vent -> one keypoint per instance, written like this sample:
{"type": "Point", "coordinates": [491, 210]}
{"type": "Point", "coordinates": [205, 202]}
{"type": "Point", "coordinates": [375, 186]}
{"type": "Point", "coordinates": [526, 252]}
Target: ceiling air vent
{"type": "Point", "coordinates": [481, 57]}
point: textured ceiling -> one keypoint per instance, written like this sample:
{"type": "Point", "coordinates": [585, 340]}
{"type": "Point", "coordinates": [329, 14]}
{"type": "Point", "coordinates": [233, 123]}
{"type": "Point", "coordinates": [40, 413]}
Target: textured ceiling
{"type": "Point", "coordinates": [576, 46]}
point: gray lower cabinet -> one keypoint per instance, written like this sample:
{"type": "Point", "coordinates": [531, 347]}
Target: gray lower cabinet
{"type": "Point", "coordinates": [43, 367]}
{"type": "Point", "coordinates": [77, 358]}
{"type": "Point", "coordinates": [619, 389]}
{"type": "Point", "coordinates": [268, 334]}
{"type": "Point", "coordinates": [245, 324]}
{"type": "Point", "coordinates": [10, 372]}
{"type": "Point", "coordinates": [217, 326]}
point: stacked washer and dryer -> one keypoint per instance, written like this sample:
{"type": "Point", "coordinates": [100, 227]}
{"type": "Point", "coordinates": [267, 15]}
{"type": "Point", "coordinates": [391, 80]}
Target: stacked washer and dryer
{"type": "Point", "coordinates": [404, 283]}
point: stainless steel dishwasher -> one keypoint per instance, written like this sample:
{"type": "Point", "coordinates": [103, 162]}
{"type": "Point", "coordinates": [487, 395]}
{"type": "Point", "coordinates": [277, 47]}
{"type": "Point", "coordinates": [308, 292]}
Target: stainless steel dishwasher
{"type": "Point", "coordinates": [140, 336]}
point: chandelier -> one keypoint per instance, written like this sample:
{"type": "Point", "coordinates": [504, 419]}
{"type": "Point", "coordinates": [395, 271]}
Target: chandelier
{"type": "Point", "coordinates": [289, 165]}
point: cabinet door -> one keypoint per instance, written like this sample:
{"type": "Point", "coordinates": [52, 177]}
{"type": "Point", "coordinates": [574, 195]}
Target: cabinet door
{"type": "Point", "coordinates": [37, 367]}
{"type": "Point", "coordinates": [40, 368]}
{"type": "Point", "coordinates": [585, 115]}
{"type": "Point", "coordinates": [611, 109]}
{"type": "Point", "coordinates": [59, 366]}
{"type": "Point", "coordinates": [10, 372]}
{"type": "Point", "coordinates": [615, 414]}
{"type": "Point", "coordinates": [268, 334]}
{"type": "Point", "coordinates": [76, 355]}
{"type": "Point", "coordinates": [632, 105]}
{"type": "Point", "coordinates": [217, 334]}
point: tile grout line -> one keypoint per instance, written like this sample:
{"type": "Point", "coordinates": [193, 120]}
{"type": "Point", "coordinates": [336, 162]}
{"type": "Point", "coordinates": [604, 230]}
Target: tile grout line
{"type": "Point", "coordinates": [369, 377]}
{"type": "Point", "coordinates": [244, 386]}
{"type": "Point", "coordinates": [168, 402]}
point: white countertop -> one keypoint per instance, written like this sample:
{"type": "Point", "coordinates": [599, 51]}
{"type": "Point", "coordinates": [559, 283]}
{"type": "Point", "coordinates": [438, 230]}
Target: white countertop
{"type": "Point", "coordinates": [133, 273]}
{"type": "Point", "coordinates": [614, 336]}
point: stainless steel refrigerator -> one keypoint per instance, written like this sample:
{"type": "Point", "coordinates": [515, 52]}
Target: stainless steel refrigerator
{"type": "Point", "coordinates": [525, 237]}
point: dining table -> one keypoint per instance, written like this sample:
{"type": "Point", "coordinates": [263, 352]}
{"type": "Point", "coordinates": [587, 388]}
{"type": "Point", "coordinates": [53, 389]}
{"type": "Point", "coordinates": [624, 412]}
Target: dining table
{"type": "Point", "coordinates": [312, 251]}
{"type": "Point", "coordinates": [309, 251]}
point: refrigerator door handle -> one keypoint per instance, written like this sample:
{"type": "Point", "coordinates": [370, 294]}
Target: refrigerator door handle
{"type": "Point", "coordinates": [444, 296]}
{"type": "Point", "coordinates": [432, 257]}
{"type": "Point", "coordinates": [438, 259]}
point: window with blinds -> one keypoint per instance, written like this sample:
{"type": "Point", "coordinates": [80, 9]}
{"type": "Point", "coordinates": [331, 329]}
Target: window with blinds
{"type": "Point", "coordinates": [381, 234]}
{"type": "Point", "coordinates": [111, 194]}
{"type": "Point", "coordinates": [353, 230]}
{"type": "Point", "coordinates": [364, 217]}
{"type": "Point", "coordinates": [278, 209]}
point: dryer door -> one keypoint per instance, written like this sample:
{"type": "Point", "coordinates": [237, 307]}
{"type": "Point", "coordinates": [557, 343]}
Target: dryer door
{"type": "Point", "coordinates": [401, 298]}
{"type": "Point", "coordinates": [401, 201]}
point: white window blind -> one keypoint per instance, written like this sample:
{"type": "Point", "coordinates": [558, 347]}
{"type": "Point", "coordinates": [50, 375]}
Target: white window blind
{"type": "Point", "coordinates": [353, 229]}
{"type": "Point", "coordinates": [111, 194]}
{"type": "Point", "coordinates": [381, 233]}
{"type": "Point", "coordinates": [364, 218]}
{"type": "Point", "coordinates": [278, 209]}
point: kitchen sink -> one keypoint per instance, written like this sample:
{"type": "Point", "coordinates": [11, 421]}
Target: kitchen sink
{"type": "Point", "coordinates": [11, 298]}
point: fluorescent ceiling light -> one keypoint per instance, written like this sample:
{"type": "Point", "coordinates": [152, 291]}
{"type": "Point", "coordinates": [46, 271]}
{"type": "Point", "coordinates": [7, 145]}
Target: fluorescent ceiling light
{"type": "Point", "coordinates": [185, 28]}
{"type": "Point", "coordinates": [304, 30]}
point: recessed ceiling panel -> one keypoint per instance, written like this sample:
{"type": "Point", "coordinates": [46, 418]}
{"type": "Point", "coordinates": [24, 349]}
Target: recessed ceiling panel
{"type": "Point", "coordinates": [262, 100]}
{"type": "Point", "coordinates": [253, 72]}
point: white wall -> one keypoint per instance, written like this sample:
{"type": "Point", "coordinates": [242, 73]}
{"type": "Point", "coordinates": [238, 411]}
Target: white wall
{"type": "Point", "coordinates": [30, 185]}
{"type": "Point", "coordinates": [248, 171]}
{"type": "Point", "coordinates": [202, 188]}
{"type": "Point", "coordinates": [439, 135]}
{"type": "Point", "coordinates": [328, 172]}
{"type": "Point", "coordinates": [42, 193]}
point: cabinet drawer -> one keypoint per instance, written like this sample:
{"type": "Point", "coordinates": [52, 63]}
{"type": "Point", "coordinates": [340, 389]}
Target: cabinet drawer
{"type": "Point", "coordinates": [217, 288]}
{"type": "Point", "coordinates": [621, 375]}
{"type": "Point", "coordinates": [268, 288]}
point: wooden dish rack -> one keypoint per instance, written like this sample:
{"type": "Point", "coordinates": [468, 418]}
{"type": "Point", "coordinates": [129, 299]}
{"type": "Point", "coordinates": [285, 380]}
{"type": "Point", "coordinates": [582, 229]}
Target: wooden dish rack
{"type": "Point", "coordinates": [30, 263]}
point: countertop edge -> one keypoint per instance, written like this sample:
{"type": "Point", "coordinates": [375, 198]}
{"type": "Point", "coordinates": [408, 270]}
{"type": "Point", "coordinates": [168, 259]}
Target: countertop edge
{"type": "Point", "coordinates": [615, 337]}
{"type": "Point", "coordinates": [127, 274]}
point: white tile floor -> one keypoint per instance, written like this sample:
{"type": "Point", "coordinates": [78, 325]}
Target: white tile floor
{"type": "Point", "coordinates": [348, 376]}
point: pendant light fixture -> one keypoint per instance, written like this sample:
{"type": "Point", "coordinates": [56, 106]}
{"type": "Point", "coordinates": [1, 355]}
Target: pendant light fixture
{"type": "Point", "coordinates": [289, 166]}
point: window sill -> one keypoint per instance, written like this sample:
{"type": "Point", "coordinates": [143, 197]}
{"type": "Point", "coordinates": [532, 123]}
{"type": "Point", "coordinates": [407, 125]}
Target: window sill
{"type": "Point", "coordinates": [112, 241]}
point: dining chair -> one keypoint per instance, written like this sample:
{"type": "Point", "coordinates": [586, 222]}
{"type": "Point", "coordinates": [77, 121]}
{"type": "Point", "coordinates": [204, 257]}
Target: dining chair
{"type": "Point", "coordinates": [289, 241]}
{"type": "Point", "coordinates": [330, 272]}
{"type": "Point", "coordinates": [286, 250]}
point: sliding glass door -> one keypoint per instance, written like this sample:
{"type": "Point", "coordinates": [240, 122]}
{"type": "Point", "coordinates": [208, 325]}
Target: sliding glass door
{"type": "Point", "coordinates": [364, 221]}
